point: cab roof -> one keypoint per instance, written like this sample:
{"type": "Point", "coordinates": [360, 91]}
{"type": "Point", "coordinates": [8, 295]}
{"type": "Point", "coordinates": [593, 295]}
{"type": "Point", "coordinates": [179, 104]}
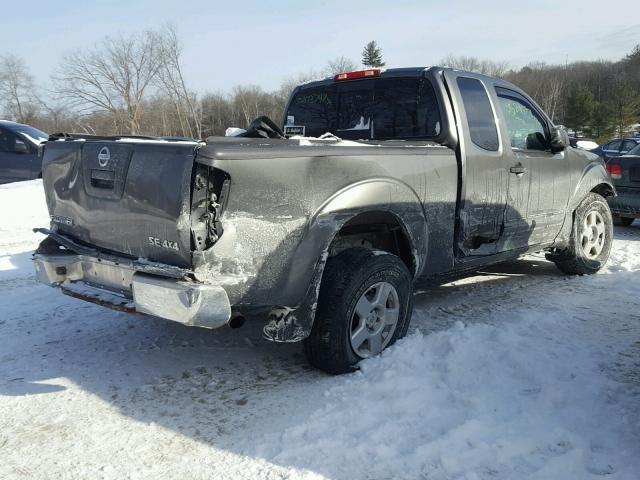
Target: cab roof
{"type": "Point", "coordinates": [384, 73]}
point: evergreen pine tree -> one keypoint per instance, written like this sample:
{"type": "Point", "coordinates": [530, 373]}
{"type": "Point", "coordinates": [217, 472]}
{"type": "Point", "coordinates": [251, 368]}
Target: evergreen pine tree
{"type": "Point", "coordinates": [625, 103]}
{"type": "Point", "coordinates": [372, 55]}
{"type": "Point", "coordinates": [580, 106]}
{"type": "Point", "coordinates": [602, 125]}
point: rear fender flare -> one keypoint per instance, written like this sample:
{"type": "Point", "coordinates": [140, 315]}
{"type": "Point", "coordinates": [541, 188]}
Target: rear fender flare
{"type": "Point", "coordinates": [288, 324]}
{"type": "Point", "coordinates": [385, 194]}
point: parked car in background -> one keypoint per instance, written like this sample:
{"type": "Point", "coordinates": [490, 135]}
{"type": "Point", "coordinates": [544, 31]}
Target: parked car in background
{"type": "Point", "coordinates": [19, 159]}
{"type": "Point", "coordinates": [616, 147]}
{"type": "Point", "coordinates": [583, 143]}
{"type": "Point", "coordinates": [625, 173]}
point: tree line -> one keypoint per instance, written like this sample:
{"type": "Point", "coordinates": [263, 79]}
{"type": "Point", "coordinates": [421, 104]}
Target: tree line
{"type": "Point", "coordinates": [597, 99]}
{"type": "Point", "coordinates": [135, 85]}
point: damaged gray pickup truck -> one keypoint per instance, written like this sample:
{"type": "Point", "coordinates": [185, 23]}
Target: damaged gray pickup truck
{"type": "Point", "coordinates": [387, 177]}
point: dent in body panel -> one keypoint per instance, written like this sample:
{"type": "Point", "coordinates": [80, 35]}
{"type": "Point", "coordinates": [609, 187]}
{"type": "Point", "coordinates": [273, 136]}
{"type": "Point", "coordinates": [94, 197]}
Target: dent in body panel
{"type": "Point", "coordinates": [278, 226]}
{"type": "Point", "coordinates": [149, 197]}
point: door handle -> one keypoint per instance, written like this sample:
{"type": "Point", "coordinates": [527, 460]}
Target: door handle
{"type": "Point", "coordinates": [518, 169]}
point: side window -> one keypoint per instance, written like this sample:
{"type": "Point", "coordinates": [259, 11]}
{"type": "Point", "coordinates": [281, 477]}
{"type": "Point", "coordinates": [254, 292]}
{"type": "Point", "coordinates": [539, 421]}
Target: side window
{"type": "Point", "coordinates": [9, 143]}
{"type": "Point", "coordinates": [627, 145]}
{"type": "Point", "coordinates": [21, 146]}
{"type": "Point", "coordinates": [482, 125]}
{"type": "Point", "coordinates": [613, 146]}
{"type": "Point", "coordinates": [526, 128]}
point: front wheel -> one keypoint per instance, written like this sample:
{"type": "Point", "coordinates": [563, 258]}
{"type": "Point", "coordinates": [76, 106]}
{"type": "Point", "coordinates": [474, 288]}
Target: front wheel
{"type": "Point", "coordinates": [364, 306]}
{"type": "Point", "coordinates": [591, 238]}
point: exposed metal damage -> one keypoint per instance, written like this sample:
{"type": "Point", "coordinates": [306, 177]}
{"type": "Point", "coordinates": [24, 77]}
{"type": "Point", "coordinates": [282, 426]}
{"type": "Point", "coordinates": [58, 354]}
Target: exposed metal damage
{"type": "Point", "coordinates": [283, 326]}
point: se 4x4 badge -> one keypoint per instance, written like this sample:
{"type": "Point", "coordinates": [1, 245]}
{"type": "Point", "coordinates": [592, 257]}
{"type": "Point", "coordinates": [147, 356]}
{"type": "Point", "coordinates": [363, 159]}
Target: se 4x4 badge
{"type": "Point", "coordinates": [157, 242]}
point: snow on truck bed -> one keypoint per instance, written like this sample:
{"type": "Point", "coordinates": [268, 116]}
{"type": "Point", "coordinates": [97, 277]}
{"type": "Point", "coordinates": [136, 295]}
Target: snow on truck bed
{"type": "Point", "coordinates": [515, 373]}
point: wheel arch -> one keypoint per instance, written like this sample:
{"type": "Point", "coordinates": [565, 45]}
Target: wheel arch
{"type": "Point", "coordinates": [573, 259]}
{"type": "Point", "coordinates": [604, 189]}
{"type": "Point", "coordinates": [383, 202]}
{"type": "Point", "coordinates": [593, 178]}
{"type": "Point", "coordinates": [379, 230]}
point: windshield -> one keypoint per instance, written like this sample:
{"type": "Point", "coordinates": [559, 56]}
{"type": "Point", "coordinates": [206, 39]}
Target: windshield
{"type": "Point", "coordinates": [635, 150]}
{"type": "Point", "coordinates": [383, 108]}
{"type": "Point", "coordinates": [35, 135]}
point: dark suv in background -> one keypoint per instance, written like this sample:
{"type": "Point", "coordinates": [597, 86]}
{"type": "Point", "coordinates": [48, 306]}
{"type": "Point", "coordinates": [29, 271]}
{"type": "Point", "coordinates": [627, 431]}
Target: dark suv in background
{"type": "Point", "coordinates": [19, 159]}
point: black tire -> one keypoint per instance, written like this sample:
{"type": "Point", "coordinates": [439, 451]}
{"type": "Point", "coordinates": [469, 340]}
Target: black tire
{"type": "Point", "coordinates": [622, 221]}
{"type": "Point", "coordinates": [573, 260]}
{"type": "Point", "coordinates": [347, 277]}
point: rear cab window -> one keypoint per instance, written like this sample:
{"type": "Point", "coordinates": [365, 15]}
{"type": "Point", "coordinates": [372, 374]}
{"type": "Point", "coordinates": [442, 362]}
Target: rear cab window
{"type": "Point", "coordinates": [314, 109]}
{"type": "Point", "coordinates": [381, 108]}
{"type": "Point", "coordinates": [355, 109]}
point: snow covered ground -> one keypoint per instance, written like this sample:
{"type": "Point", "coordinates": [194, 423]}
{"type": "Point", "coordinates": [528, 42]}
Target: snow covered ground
{"type": "Point", "coordinates": [516, 373]}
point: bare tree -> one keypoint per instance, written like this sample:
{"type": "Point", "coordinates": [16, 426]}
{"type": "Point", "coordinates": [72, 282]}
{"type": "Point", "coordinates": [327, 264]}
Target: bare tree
{"type": "Point", "coordinates": [545, 83]}
{"type": "Point", "coordinates": [473, 64]}
{"type": "Point", "coordinates": [114, 77]}
{"type": "Point", "coordinates": [217, 113]}
{"type": "Point", "coordinates": [287, 86]}
{"type": "Point", "coordinates": [17, 89]}
{"type": "Point", "coordinates": [56, 116]}
{"type": "Point", "coordinates": [249, 102]}
{"type": "Point", "coordinates": [172, 82]}
{"type": "Point", "coordinates": [340, 65]}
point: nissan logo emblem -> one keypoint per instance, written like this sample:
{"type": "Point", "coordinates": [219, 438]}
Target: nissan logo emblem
{"type": "Point", "coordinates": [104, 156]}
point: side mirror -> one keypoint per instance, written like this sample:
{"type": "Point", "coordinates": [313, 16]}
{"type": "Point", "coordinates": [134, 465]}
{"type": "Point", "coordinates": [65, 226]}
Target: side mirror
{"type": "Point", "coordinates": [20, 148]}
{"type": "Point", "coordinates": [559, 139]}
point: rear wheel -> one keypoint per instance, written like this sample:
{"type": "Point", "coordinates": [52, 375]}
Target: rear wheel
{"type": "Point", "coordinates": [591, 238]}
{"type": "Point", "coordinates": [365, 305]}
{"type": "Point", "coordinates": [623, 221]}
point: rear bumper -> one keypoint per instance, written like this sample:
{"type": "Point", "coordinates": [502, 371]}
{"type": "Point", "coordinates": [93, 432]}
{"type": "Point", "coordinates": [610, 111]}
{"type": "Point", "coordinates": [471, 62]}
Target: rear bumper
{"type": "Point", "coordinates": [626, 203]}
{"type": "Point", "coordinates": [123, 287]}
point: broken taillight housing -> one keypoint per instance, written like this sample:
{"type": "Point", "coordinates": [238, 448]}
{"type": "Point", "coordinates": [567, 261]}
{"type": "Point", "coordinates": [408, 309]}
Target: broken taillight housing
{"type": "Point", "coordinates": [371, 72]}
{"type": "Point", "coordinates": [209, 196]}
{"type": "Point", "coordinates": [615, 170]}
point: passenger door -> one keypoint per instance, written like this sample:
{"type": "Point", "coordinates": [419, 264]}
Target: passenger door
{"type": "Point", "coordinates": [539, 180]}
{"type": "Point", "coordinates": [17, 158]}
{"type": "Point", "coordinates": [484, 176]}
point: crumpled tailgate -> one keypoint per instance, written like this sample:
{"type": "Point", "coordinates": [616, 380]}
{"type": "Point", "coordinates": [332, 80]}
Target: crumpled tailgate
{"type": "Point", "coordinates": [130, 198]}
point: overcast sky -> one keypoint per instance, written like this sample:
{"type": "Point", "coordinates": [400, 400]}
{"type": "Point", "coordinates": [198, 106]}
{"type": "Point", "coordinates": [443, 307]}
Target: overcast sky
{"type": "Point", "coordinates": [230, 43]}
